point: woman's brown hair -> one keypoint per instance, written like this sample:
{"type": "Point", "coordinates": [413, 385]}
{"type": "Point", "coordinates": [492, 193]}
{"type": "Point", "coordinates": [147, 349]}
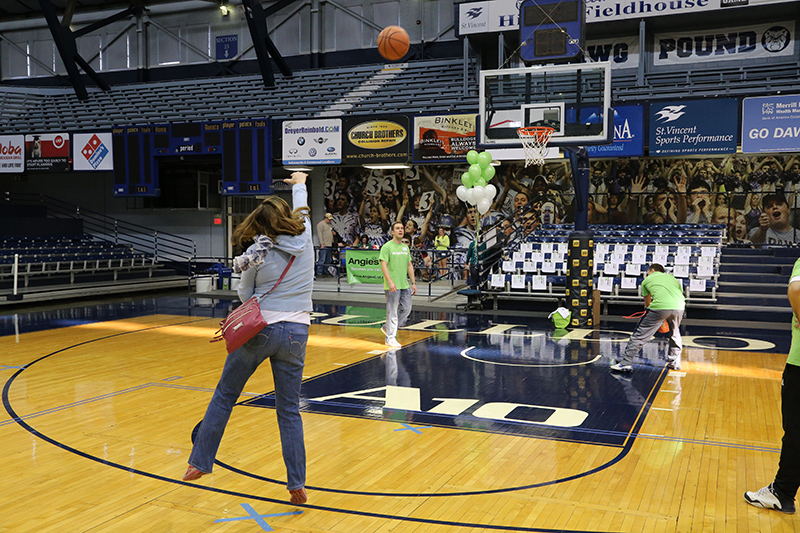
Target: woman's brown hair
{"type": "Point", "coordinates": [272, 218]}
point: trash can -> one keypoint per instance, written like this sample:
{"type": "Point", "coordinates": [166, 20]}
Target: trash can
{"type": "Point", "coordinates": [224, 280]}
{"type": "Point", "coordinates": [204, 284]}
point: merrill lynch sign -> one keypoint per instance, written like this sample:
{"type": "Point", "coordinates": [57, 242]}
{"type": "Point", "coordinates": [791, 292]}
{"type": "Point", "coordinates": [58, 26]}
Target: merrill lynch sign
{"type": "Point", "coordinates": [503, 15]}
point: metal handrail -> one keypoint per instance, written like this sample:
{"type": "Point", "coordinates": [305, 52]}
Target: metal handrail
{"type": "Point", "coordinates": [160, 244]}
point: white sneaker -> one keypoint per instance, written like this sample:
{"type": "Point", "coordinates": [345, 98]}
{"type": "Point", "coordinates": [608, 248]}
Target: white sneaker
{"type": "Point", "coordinates": [393, 343]}
{"type": "Point", "coordinates": [767, 498]}
{"type": "Point", "coordinates": [619, 367]}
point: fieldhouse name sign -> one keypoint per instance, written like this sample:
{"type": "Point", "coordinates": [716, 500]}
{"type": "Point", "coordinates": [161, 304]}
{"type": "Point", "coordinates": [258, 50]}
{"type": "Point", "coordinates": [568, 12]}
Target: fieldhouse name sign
{"type": "Point", "coordinates": [363, 266]}
{"type": "Point", "coordinates": [771, 124]}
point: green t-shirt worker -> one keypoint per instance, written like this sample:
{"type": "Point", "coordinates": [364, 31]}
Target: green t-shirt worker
{"type": "Point", "coordinates": [779, 495]}
{"type": "Point", "coordinates": [397, 270]}
{"type": "Point", "coordinates": [664, 300]}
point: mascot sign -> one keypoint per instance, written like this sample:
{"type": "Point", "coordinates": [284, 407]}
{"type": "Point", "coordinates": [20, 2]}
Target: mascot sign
{"type": "Point", "coordinates": [758, 41]}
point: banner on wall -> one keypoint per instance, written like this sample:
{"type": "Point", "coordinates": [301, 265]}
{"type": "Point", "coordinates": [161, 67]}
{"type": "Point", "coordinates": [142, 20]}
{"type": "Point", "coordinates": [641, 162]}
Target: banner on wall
{"type": "Point", "coordinates": [503, 15]}
{"type": "Point", "coordinates": [621, 52]}
{"type": "Point", "coordinates": [771, 124]}
{"type": "Point", "coordinates": [628, 134]}
{"type": "Point", "coordinates": [381, 140]}
{"type": "Point", "coordinates": [12, 154]}
{"type": "Point", "coordinates": [691, 127]}
{"type": "Point", "coordinates": [363, 266]}
{"type": "Point", "coordinates": [47, 151]}
{"type": "Point", "coordinates": [93, 151]}
{"type": "Point", "coordinates": [312, 142]}
{"type": "Point", "coordinates": [443, 138]}
{"type": "Point", "coordinates": [758, 41]}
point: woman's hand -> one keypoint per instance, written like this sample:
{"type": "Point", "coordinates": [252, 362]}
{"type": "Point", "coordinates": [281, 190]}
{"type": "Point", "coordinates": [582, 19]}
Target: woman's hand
{"type": "Point", "coordinates": [297, 178]}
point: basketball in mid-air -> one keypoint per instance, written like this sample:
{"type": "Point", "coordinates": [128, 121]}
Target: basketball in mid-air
{"type": "Point", "coordinates": [393, 43]}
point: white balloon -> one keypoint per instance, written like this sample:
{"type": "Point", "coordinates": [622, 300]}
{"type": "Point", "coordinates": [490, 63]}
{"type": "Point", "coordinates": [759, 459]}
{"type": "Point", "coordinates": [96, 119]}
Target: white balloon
{"type": "Point", "coordinates": [491, 192]}
{"type": "Point", "coordinates": [461, 192]}
{"type": "Point", "coordinates": [479, 191]}
{"type": "Point", "coordinates": [484, 205]}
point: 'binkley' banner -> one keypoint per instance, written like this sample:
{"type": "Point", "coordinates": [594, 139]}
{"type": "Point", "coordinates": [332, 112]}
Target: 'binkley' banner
{"type": "Point", "coordinates": [363, 266]}
{"type": "Point", "coordinates": [690, 127]}
{"type": "Point", "coordinates": [771, 124]}
{"type": "Point", "coordinates": [443, 138]}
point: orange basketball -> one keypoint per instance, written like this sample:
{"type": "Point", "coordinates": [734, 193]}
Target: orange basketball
{"type": "Point", "coordinates": [393, 43]}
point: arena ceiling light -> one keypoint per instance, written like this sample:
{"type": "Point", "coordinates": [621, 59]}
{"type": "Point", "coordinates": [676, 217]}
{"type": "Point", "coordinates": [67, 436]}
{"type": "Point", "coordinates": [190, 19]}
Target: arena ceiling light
{"type": "Point", "coordinates": [387, 166]}
{"type": "Point", "coordinates": [224, 9]}
{"type": "Point", "coordinates": [298, 169]}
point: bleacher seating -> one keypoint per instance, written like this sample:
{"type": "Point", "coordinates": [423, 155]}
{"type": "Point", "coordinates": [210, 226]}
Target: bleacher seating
{"type": "Point", "coordinates": [709, 80]}
{"type": "Point", "coordinates": [413, 87]}
{"type": "Point", "coordinates": [537, 267]}
{"type": "Point", "coordinates": [49, 260]}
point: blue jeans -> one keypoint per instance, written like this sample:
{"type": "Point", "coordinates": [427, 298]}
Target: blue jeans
{"type": "Point", "coordinates": [284, 343]}
{"type": "Point", "coordinates": [646, 328]}
{"type": "Point", "coordinates": [325, 260]}
{"type": "Point", "coordinates": [398, 308]}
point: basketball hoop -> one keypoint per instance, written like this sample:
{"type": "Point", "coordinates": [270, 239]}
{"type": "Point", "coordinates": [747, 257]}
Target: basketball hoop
{"type": "Point", "coordinates": [534, 140]}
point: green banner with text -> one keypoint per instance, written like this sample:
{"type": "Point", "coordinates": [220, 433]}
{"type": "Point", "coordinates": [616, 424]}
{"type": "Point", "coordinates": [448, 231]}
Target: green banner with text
{"type": "Point", "coordinates": [363, 266]}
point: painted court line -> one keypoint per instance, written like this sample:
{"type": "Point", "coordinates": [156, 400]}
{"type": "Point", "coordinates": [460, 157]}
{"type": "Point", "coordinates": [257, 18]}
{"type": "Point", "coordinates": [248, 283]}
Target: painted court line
{"type": "Point", "coordinates": [258, 518]}
{"type": "Point", "coordinates": [406, 427]}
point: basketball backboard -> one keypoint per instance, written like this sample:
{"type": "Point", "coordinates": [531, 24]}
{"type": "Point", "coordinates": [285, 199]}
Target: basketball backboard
{"type": "Point", "coordinates": [573, 99]}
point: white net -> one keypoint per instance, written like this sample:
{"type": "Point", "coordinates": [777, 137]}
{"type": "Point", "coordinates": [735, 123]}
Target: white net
{"type": "Point", "coordinates": [534, 140]}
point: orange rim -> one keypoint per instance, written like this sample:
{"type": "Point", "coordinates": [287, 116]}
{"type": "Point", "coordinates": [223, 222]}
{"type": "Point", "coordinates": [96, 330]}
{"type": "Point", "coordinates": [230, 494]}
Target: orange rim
{"type": "Point", "coordinates": [540, 132]}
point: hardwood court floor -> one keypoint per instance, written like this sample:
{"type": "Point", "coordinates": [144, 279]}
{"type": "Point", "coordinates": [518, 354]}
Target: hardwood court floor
{"type": "Point", "coordinates": [97, 421]}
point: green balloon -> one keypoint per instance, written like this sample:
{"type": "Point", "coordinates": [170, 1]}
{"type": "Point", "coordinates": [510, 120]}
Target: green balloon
{"type": "Point", "coordinates": [475, 171]}
{"type": "Point", "coordinates": [472, 157]}
{"type": "Point", "coordinates": [484, 159]}
{"type": "Point", "coordinates": [481, 182]}
{"type": "Point", "coordinates": [466, 180]}
{"type": "Point", "coordinates": [488, 173]}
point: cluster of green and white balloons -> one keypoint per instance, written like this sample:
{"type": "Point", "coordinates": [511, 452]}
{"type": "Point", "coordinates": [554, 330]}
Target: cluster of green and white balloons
{"type": "Point", "coordinates": [476, 189]}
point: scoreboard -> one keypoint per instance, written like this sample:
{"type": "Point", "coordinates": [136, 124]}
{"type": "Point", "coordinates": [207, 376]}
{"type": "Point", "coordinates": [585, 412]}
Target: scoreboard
{"type": "Point", "coordinates": [551, 30]}
{"type": "Point", "coordinates": [245, 148]}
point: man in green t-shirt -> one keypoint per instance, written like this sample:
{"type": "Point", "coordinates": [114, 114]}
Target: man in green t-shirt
{"type": "Point", "coordinates": [397, 269]}
{"type": "Point", "coordinates": [664, 300]}
{"type": "Point", "coordinates": [779, 495]}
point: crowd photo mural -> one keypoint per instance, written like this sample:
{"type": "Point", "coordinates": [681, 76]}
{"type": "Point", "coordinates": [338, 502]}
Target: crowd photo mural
{"type": "Point", "coordinates": [753, 196]}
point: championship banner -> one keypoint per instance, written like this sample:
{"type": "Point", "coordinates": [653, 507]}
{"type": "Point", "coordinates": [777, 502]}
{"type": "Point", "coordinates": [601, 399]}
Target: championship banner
{"type": "Point", "coordinates": [691, 127]}
{"type": "Point", "coordinates": [12, 157]}
{"type": "Point", "coordinates": [311, 142]}
{"type": "Point", "coordinates": [443, 138]}
{"type": "Point", "coordinates": [47, 151]}
{"type": "Point", "coordinates": [381, 140]}
{"type": "Point", "coordinates": [771, 124]}
{"type": "Point", "coordinates": [363, 266]}
{"type": "Point", "coordinates": [93, 151]}
{"type": "Point", "coordinates": [758, 41]}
